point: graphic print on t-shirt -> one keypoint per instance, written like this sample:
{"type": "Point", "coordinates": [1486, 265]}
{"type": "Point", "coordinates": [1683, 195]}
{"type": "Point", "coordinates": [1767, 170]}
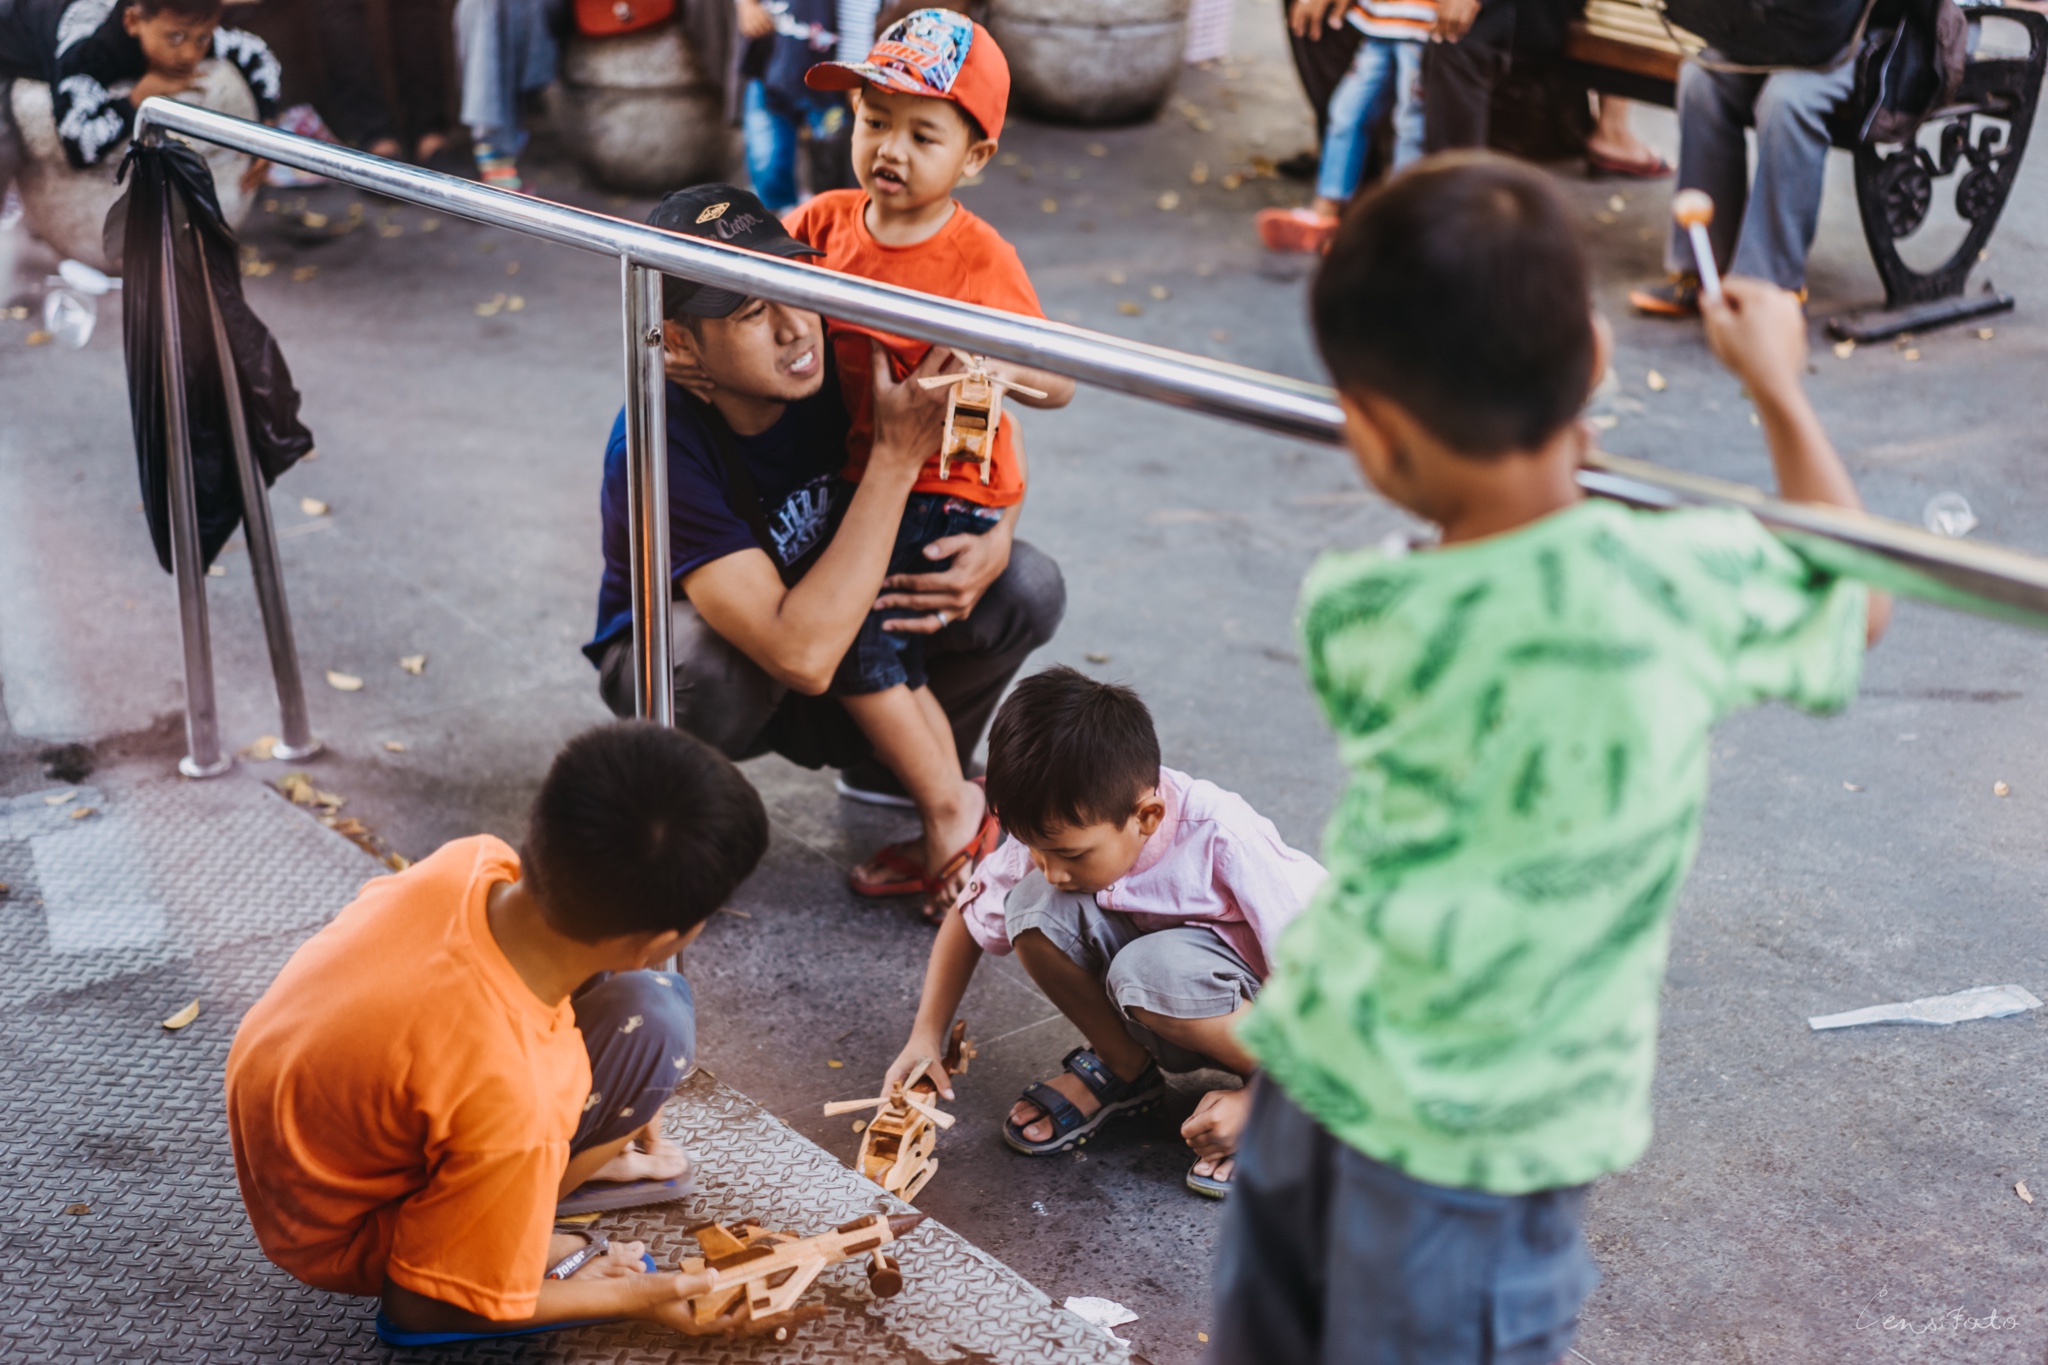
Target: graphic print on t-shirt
{"type": "Point", "coordinates": [801, 520]}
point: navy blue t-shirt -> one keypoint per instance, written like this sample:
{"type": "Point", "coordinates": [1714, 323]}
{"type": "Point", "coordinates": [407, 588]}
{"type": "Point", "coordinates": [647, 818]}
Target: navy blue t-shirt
{"type": "Point", "coordinates": [795, 466]}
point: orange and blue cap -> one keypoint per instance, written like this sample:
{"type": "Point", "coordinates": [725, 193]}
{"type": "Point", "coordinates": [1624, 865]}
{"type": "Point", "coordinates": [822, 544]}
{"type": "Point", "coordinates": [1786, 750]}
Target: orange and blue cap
{"type": "Point", "coordinates": [936, 53]}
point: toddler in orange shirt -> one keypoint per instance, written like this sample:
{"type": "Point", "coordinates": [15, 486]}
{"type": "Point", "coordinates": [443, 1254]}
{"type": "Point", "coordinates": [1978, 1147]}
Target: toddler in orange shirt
{"type": "Point", "coordinates": [928, 108]}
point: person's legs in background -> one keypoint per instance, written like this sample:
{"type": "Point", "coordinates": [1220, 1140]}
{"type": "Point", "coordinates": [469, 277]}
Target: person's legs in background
{"type": "Point", "coordinates": [419, 49]}
{"type": "Point", "coordinates": [1320, 60]}
{"type": "Point", "coordinates": [1355, 106]}
{"type": "Point", "coordinates": [1458, 79]}
{"type": "Point", "coordinates": [506, 49]}
{"type": "Point", "coordinates": [1713, 107]}
{"type": "Point", "coordinates": [770, 147]}
{"type": "Point", "coordinates": [355, 87]}
{"type": "Point", "coordinates": [1791, 166]}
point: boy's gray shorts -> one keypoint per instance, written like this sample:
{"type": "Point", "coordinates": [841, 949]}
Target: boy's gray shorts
{"type": "Point", "coordinates": [1187, 972]}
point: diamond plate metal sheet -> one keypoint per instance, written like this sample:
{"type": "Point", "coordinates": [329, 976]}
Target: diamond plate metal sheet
{"type": "Point", "coordinates": [175, 891]}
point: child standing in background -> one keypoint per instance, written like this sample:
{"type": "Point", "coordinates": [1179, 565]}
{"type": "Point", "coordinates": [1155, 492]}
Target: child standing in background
{"type": "Point", "coordinates": [1387, 69]}
{"type": "Point", "coordinates": [928, 107]}
{"type": "Point", "coordinates": [784, 38]}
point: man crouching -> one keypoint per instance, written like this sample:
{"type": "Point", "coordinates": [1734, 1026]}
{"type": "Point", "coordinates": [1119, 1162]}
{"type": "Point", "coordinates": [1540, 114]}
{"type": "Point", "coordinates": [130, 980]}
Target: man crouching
{"type": "Point", "coordinates": [472, 1039]}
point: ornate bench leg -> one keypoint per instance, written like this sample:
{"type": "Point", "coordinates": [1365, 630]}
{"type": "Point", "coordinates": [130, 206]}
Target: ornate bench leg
{"type": "Point", "coordinates": [1986, 128]}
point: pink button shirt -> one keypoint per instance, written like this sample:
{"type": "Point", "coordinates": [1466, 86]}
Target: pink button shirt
{"type": "Point", "coordinates": [1213, 860]}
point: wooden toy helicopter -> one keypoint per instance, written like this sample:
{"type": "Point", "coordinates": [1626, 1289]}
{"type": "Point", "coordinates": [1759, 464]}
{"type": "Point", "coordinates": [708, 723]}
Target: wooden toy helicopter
{"type": "Point", "coordinates": [761, 1274]}
{"type": "Point", "coordinates": [973, 412]}
{"type": "Point", "coordinates": [896, 1145]}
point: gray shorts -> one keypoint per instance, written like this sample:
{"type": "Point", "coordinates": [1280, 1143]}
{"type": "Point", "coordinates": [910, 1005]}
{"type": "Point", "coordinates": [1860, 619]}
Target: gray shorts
{"type": "Point", "coordinates": [1187, 972]}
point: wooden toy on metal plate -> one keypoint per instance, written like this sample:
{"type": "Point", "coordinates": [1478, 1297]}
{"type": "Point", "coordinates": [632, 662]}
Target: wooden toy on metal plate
{"type": "Point", "coordinates": [896, 1144]}
{"type": "Point", "coordinates": [762, 1273]}
{"type": "Point", "coordinates": [974, 409]}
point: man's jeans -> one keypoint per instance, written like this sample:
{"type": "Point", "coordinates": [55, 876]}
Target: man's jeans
{"type": "Point", "coordinates": [1384, 72]}
{"type": "Point", "coordinates": [1765, 231]}
{"type": "Point", "coordinates": [506, 49]}
{"type": "Point", "coordinates": [731, 703]}
{"type": "Point", "coordinates": [771, 139]}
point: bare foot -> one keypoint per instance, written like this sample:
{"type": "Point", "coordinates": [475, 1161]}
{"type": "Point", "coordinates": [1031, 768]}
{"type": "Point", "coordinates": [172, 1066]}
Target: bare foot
{"type": "Point", "coordinates": [954, 830]}
{"type": "Point", "coordinates": [911, 850]}
{"type": "Point", "coordinates": [429, 147]}
{"type": "Point", "coordinates": [1213, 1129]}
{"type": "Point", "coordinates": [648, 1157]}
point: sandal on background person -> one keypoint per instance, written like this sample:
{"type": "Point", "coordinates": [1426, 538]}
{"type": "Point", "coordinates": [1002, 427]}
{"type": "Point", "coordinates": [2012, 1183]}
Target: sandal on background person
{"type": "Point", "coordinates": [1296, 230]}
{"type": "Point", "coordinates": [1070, 1127]}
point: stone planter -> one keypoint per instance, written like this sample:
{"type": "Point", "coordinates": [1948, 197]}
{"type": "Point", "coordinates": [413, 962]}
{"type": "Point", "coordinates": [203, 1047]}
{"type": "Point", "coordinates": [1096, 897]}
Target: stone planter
{"type": "Point", "coordinates": [1091, 61]}
{"type": "Point", "coordinates": [638, 113]}
{"type": "Point", "coordinates": [68, 208]}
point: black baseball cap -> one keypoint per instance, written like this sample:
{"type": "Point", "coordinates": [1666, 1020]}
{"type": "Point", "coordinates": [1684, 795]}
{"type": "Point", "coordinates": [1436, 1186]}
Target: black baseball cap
{"type": "Point", "coordinates": [719, 213]}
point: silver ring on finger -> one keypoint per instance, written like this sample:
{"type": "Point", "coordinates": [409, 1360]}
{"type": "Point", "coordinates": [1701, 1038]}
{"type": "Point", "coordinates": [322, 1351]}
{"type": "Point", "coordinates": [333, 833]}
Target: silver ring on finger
{"type": "Point", "coordinates": [944, 619]}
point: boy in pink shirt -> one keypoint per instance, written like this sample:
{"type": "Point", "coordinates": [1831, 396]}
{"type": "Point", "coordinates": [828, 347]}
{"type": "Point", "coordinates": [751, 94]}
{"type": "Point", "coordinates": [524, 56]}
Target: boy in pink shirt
{"type": "Point", "coordinates": [1144, 903]}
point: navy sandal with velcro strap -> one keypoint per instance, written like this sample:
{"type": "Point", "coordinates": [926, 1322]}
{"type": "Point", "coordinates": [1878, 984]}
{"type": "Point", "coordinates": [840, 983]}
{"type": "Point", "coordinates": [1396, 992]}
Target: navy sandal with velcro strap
{"type": "Point", "coordinates": [1071, 1128]}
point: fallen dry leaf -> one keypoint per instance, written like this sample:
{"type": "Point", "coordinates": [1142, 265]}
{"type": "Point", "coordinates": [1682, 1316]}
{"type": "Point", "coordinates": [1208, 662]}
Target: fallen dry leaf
{"type": "Point", "coordinates": [1198, 174]}
{"type": "Point", "coordinates": [217, 571]}
{"type": "Point", "coordinates": [81, 812]}
{"type": "Point", "coordinates": [305, 272]}
{"type": "Point", "coordinates": [430, 225]}
{"type": "Point", "coordinates": [515, 304]}
{"type": "Point", "coordinates": [1201, 1336]}
{"type": "Point", "coordinates": [1129, 309]}
{"type": "Point", "coordinates": [182, 1017]}
{"type": "Point", "coordinates": [835, 1065]}
{"type": "Point", "coordinates": [1231, 180]}
{"type": "Point", "coordinates": [344, 682]}
{"type": "Point", "coordinates": [1844, 349]}
{"type": "Point", "coordinates": [1097, 658]}
{"type": "Point", "coordinates": [2000, 789]}
{"type": "Point", "coordinates": [59, 799]}
{"type": "Point", "coordinates": [38, 337]}
{"type": "Point", "coordinates": [299, 789]}
{"type": "Point", "coordinates": [1116, 277]}
{"type": "Point", "coordinates": [414, 664]}
{"type": "Point", "coordinates": [1170, 200]}
{"type": "Point", "coordinates": [511, 267]}
{"type": "Point", "coordinates": [314, 220]}
{"type": "Point", "coordinates": [78, 1210]}
{"type": "Point", "coordinates": [1160, 291]}
{"type": "Point", "coordinates": [1851, 787]}
{"type": "Point", "coordinates": [1604, 421]}
{"type": "Point", "coordinates": [1910, 353]}
{"type": "Point", "coordinates": [739, 914]}
{"type": "Point", "coordinates": [397, 862]}
{"type": "Point", "coordinates": [1048, 205]}
{"type": "Point", "coordinates": [394, 746]}
{"type": "Point", "coordinates": [264, 748]}
{"type": "Point", "coordinates": [390, 230]}
{"type": "Point", "coordinates": [1657, 382]}
{"type": "Point", "coordinates": [2023, 1192]}
{"type": "Point", "coordinates": [1985, 334]}
{"type": "Point", "coordinates": [491, 308]}
{"type": "Point", "coordinates": [1097, 149]}
{"type": "Point", "coordinates": [1615, 203]}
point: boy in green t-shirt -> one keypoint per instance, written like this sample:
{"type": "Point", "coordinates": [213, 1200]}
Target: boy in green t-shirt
{"type": "Point", "coordinates": [1460, 1029]}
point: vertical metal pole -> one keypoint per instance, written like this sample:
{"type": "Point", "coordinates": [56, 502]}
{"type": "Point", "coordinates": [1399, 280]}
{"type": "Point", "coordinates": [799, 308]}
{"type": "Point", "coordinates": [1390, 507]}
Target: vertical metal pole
{"type": "Point", "coordinates": [262, 539]}
{"type": "Point", "coordinates": [647, 494]}
{"type": "Point", "coordinates": [203, 757]}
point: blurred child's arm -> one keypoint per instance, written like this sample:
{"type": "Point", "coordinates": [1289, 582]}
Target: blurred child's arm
{"type": "Point", "coordinates": [1759, 332]}
{"type": "Point", "coordinates": [955, 955]}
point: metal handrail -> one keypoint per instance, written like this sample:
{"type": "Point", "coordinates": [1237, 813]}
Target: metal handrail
{"type": "Point", "coordinates": [1974, 577]}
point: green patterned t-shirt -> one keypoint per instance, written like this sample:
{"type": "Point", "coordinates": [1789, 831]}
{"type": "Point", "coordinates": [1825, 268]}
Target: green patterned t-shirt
{"type": "Point", "coordinates": [1472, 995]}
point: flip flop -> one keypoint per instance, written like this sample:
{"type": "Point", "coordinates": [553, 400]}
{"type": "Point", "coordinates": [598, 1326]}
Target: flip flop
{"type": "Point", "coordinates": [603, 1196]}
{"type": "Point", "coordinates": [1655, 168]}
{"type": "Point", "coordinates": [1070, 1127]}
{"type": "Point", "coordinates": [393, 1336]}
{"type": "Point", "coordinates": [1208, 1186]}
{"type": "Point", "coordinates": [908, 877]}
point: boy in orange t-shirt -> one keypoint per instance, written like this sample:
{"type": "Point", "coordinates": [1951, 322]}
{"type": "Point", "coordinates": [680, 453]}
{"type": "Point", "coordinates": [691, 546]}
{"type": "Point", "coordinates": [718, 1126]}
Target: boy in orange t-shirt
{"type": "Point", "coordinates": [928, 106]}
{"type": "Point", "coordinates": [471, 1040]}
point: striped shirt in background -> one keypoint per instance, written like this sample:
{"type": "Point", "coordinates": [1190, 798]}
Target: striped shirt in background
{"type": "Point", "coordinates": [1397, 20]}
{"type": "Point", "coordinates": [857, 29]}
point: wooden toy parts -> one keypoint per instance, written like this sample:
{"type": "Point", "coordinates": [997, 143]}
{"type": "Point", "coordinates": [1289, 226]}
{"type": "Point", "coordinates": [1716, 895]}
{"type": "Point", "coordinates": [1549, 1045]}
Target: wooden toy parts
{"type": "Point", "coordinates": [973, 412]}
{"type": "Point", "coordinates": [896, 1145]}
{"type": "Point", "coordinates": [761, 1274]}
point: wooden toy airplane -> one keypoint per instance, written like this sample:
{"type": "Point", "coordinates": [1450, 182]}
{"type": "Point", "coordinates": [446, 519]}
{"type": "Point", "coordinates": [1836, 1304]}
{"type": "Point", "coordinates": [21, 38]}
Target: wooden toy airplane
{"type": "Point", "coordinates": [973, 412]}
{"type": "Point", "coordinates": [896, 1145]}
{"type": "Point", "coordinates": [761, 1274]}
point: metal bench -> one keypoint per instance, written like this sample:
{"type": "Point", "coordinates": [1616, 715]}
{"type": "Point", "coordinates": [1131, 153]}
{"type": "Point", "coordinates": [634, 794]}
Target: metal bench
{"type": "Point", "coordinates": [1623, 48]}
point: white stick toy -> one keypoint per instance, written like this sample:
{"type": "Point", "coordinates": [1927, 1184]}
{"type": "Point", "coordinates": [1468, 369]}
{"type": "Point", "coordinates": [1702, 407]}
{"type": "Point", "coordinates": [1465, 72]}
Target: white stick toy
{"type": "Point", "coordinates": [1693, 210]}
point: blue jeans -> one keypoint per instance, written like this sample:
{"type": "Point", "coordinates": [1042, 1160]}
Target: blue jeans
{"type": "Point", "coordinates": [507, 50]}
{"type": "Point", "coordinates": [1763, 229]}
{"type": "Point", "coordinates": [1331, 1258]}
{"type": "Point", "coordinates": [881, 659]}
{"type": "Point", "coordinates": [1385, 71]}
{"type": "Point", "coordinates": [771, 137]}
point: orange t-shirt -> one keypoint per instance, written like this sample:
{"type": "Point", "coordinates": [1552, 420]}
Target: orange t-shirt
{"type": "Point", "coordinates": [401, 1104]}
{"type": "Point", "coordinates": [966, 260]}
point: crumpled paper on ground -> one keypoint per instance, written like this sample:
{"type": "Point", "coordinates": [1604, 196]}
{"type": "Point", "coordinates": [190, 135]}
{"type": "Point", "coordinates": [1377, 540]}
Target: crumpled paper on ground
{"type": "Point", "coordinates": [1979, 1002]}
{"type": "Point", "coordinates": [1104, 1313]}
